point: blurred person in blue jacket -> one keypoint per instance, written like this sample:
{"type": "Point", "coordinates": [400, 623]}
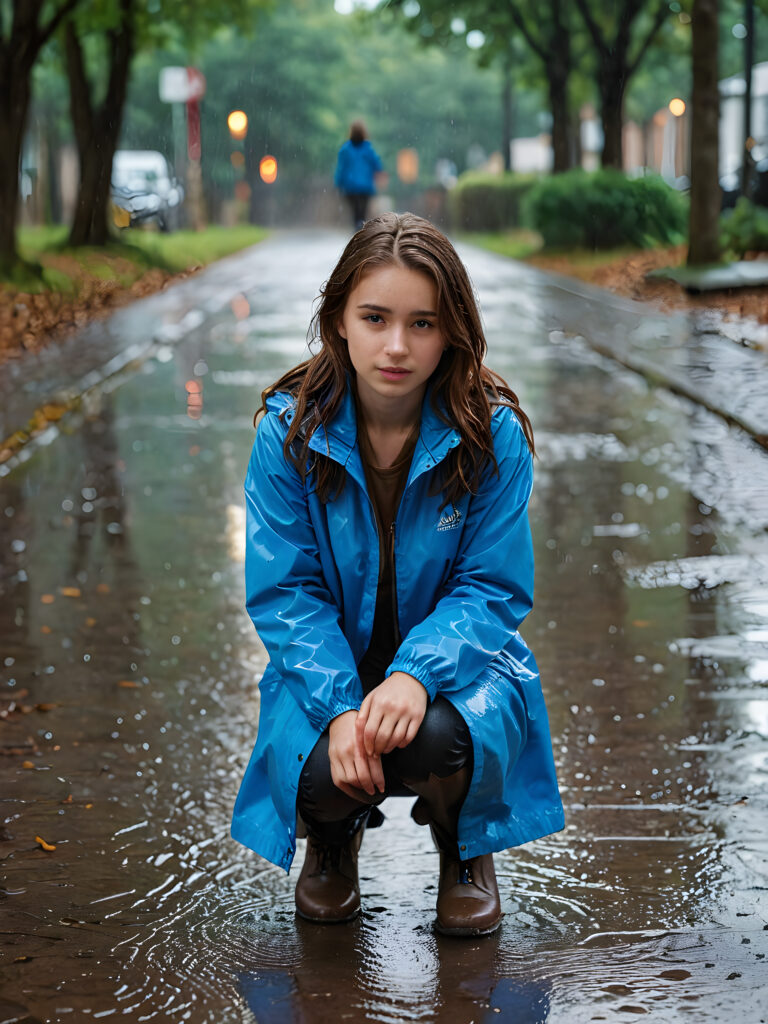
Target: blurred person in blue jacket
{"type": "Point", "coordinates": [389, 566]}
{"type": "Point", "coordinates": [357, 168]}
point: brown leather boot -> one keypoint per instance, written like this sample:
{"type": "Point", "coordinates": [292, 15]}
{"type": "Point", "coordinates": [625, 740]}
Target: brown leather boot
{"type": "Point", "coordinates": [328, 889]}
{"type": "Point", "coordinates": [468, 896]}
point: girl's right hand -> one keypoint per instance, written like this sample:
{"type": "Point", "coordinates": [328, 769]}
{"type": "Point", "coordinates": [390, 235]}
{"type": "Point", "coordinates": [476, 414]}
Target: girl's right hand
{"type": "Point", "coordinates": [351, 768]}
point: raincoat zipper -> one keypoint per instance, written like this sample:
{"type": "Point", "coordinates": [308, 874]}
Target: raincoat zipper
{"type": "Point", "coordinates": [394, 588]}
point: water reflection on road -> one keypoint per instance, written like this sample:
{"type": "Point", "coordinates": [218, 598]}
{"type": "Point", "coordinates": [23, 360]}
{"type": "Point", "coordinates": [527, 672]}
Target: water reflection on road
{"type": "Point", "coordinates": [129, 708]}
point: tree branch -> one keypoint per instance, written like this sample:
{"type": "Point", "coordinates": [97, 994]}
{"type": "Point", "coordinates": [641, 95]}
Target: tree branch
{"type": "Point", "coordinates": [48, 30]}
{"type": "Point", "coordinates": [519, 21]}
{"type": "Point", "coordinates": [662, 13]}
{"type": "Point", "coordinates": [592, 27]}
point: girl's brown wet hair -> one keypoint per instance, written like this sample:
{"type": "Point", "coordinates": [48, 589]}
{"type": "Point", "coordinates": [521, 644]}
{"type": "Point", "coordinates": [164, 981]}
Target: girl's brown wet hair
{"type": "Point", "coordinates": [358, 132]}
{"type": "Point", "coordinates": [463, 391]}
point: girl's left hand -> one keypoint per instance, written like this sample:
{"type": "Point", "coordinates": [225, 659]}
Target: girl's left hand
{"type": "Point", "coordinates": [391, 714]}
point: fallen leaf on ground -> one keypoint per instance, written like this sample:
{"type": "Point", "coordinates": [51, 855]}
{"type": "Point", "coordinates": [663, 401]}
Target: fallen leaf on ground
{"type": "Point", "coordinates": [46, 846]}
{"type": "Point", "coordinates": [69, 591]}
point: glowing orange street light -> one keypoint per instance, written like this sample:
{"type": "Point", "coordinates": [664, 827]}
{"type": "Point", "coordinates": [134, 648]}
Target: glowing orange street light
{"type": "Point", "coordinates": [677, 107]}
{"type": "Point", "coordinates": [268, 169]}
{"type": "Point", "coordinates": [408, 165]}
{"type": "Point", "coordinates": [237, 122]}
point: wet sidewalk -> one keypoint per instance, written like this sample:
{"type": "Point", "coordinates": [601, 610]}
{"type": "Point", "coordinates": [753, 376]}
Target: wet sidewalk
{"type": "Point", "coordinates": [128, 698]}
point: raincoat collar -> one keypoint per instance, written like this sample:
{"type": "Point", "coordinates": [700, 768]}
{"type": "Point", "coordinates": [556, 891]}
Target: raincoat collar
{"type": "Point", "coordinates": [339, 441]}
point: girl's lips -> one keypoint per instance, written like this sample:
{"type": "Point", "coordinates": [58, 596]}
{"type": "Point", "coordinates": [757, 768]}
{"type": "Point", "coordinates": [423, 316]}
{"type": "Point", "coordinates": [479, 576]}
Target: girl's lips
{"type": "Point", "coordinates": [393, 372]}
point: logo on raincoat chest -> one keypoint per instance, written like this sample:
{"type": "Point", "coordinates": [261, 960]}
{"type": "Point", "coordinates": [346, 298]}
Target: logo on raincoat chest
{"type": "Point", "coordinates": [450, 519]}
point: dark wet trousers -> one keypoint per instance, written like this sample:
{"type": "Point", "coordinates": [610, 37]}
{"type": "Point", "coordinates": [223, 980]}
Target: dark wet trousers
{"type": "Point", "coordinates": [358, 202]}
{"type": "Point", "coordinates": [442, 747]}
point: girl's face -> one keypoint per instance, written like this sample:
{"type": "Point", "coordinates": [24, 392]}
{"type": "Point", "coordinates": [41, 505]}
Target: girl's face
{"type": "Point", "coordinates": [390, 326]}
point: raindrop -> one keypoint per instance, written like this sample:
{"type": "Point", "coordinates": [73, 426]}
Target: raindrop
{"type": "Point", "coordinates": [67, 505]}
{"type": "Point", "coordinates": [89, 493]}
{"type": "Point", "coordinates": [17, 546]}
{"type": "Point", "coordinates": [598, 682]}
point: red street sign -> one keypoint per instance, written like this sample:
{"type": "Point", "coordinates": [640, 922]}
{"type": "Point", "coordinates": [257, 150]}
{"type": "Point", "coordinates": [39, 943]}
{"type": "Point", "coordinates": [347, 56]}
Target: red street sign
{"type": "Point", "coordinates": [196, 84]}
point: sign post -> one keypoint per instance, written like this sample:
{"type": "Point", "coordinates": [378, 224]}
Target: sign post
{"type": "Point", "coordinates": [187, 85]}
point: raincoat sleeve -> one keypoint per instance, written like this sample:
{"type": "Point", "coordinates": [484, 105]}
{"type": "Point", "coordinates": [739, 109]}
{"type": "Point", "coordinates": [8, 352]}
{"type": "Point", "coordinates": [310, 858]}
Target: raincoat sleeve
{"type": "Point", "coordinates": [340, 175]}
{"type": "Point", "coordinates": [490, 589]}
{"type": "Point", "coordinates": [287, 597]}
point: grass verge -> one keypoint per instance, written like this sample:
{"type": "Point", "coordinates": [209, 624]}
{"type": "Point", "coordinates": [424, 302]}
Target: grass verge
{"type": "Point", "coordinates": [51, 266]}
{"type": "Point", "coordinates": [54, 288]}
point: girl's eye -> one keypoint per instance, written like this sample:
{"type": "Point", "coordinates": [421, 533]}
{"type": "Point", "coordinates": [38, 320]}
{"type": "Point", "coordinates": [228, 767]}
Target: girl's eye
{"type": "Point", "coordinates": [374, 318]}
{"type": "Point", "coordinates": [423, 323]}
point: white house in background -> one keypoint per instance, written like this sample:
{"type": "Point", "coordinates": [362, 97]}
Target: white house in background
{"type": "Point", "coordinates": [533, 154]}
{"type": "Point", "coordinates": [732, 117]}
{"type": "Point", "coordinates": [663, 142]}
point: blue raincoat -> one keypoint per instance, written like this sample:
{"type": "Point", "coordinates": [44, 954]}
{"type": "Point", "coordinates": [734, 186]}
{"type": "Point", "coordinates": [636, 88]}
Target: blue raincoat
{"type": "Point", "coordinates": [464, 581]}
{"type": "Point", "coordinates": [356, 167]}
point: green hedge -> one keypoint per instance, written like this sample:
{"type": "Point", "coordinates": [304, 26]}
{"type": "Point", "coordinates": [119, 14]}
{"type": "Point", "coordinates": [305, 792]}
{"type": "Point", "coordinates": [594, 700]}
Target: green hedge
{"type": "Point", "coordinates": [744, 229]}
{"type": "Point", "coordinates": [488, 202]}
{"type": "Point", "coordinates": [604, 209]}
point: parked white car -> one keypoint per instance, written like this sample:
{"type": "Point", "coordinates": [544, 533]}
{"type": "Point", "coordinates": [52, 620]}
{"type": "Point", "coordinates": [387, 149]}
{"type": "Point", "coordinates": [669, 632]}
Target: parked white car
{"type": "Point", "coordinates": [143, 188]}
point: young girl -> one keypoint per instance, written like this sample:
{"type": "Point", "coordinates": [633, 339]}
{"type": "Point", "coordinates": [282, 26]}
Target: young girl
{"type": "Point", "coordinates": [388, 568]}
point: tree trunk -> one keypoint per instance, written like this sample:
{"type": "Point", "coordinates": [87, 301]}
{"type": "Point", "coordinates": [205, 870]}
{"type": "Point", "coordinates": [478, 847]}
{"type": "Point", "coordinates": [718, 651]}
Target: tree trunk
{"type": "Point", "coordinates": [18, 52]}
{"type": "Point", "coordinates": [704, 241]}
{"type": "Point", "coordinates": [561, 122]}
{"type": "Point", "coordinates": [612, 84]}
{"type": "Point", "coordinates": [507, 114]}
{"type": "Point", "coordinates": [15, 88]}
{"type": "Point", "coordinates": [97, 130]}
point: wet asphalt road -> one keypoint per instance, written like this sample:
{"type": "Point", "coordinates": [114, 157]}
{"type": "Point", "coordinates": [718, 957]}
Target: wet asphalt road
{"type": "Point", "coordinates": [129, 704]}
